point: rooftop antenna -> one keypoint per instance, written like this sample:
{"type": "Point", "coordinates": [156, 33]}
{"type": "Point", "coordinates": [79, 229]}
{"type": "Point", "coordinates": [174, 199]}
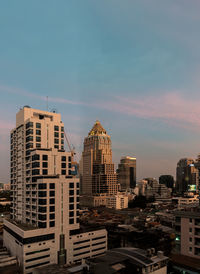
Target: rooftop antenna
{"type": "Point", "coordinates": [47, 104]}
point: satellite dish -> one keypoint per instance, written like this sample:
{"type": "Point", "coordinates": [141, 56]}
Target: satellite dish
{"type": "Point", "coordinates": [54, 110]}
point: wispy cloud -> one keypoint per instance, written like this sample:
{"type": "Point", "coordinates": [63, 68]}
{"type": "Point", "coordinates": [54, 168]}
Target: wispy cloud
{"type": "Point", "coordinates": [170, 108]}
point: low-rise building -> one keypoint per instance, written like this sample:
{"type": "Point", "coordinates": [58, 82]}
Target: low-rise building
{"type": "Point", "coordinates": [129, 260]}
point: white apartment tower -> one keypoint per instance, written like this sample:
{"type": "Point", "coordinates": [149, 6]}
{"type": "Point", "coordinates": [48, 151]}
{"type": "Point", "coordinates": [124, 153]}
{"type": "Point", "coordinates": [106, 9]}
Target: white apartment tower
{"type": "Point", "coordinates": [44, 222]}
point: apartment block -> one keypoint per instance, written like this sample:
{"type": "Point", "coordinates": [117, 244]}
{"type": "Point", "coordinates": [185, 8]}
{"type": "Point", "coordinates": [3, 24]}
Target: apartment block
{"type": "Point", "coordinates": [44, 219]}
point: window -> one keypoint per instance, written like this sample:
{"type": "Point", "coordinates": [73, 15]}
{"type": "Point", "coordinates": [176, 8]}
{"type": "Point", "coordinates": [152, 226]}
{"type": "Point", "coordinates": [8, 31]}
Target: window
{"type": "Point", "coordinates": [37, 258]}
{"type": "Point", "coordinates": [29, 124]}
{"type": "Point", "coordinates": [62, 129]}
{"type": "Point", "coordinates": [77, 192]}
{"type": "Point", "coordinates": [56, 134]}
{"type": "Point", "coordinates": [71, 185]}
{"type": "Point", "coordinates": [190, 249]}
{"type": "Point", "coordinates": [63, 165]}
{"type": "Point", "coordinates": [42, 209]}
{"type": "Point", "coordinates": [77, 185]}
{"type": "Point", "coordinates": [42, 224]}
{"type": "Point", "coordinates": [44, 172]}
{"type": "Point", "coordinates": [35, 172]}
{"type": "Point", "coordinates": [63, 158]}
{"type": "Point", "coordinates": [35, 164]}
{"type": "Point", "coordinates": [38, 139]}
{"type": "Point", "coordinates": [71, 221]}
{"type": "Point", "coordinates": [42, 186]}
{"type": "Point", "coordinates": [38, 132]}
{"type": "Point", "coordinates": [77, 199]}
{"type": "Point", "coordinates": [52, 224]}
{"type": "Point", "coordinates": [190, 229]}
{"type": "Point", "coordinates": [45, 164]}
{"type": "Point", "coordinates": [38, 125]}
{"type": "Point", "coordinates": [77, 220]}
{"type": "Point", "coordinates": [62, 135]}
{"type": "Point", "coordinates": [71, 199]}
{"type": "Point", "coordinates": [62, 141]}
{"type": "Point", "coordinates": [69, 165]}
{"type": "Point", "coordinates": [45, 157]}
{"type": "Point", "coordinates": [42, 217]}
{"type": "Point", "coordinates": [42, 202]}
{"type": "Point", "coordinates": [51, 193]}
{"type": "Point", "coordinates": [63, 172]}
{"type": "Point", "coordinates": [38, 145]}
{"type": "Point", "coordinates": [71, 192]}
{"type": "Point", "coordinates": [190, 220]}
{"type": "Point", "coordinates": [42, 193]}
{"type": "Point", "coordinates": [56, 128]}
{"type": "Point", "coordinates": [62, 147]}
{"type": "Point", "coordinates": [56, 141]}
{"type": "Point", "coordinates": [69, 158]}
{"type": "Point", "coordinates": [52, 201]}
{"type": "Point", "coordinates": [71, 214]}
{"type": "Point", "coordinates": [56, 146]}
{"type": "Point", "coordinates": [35, 157]}
{"type": "Point", "coordinates": [52, 216]}
{"type": "Point", "coordinates": [71, 207]}
{"type": "Point", "coordinates": [190, 239]}
{"type": "Point", "coordinates": [52, 208]}
{"type": "Point", "coordinates": [52, 185]}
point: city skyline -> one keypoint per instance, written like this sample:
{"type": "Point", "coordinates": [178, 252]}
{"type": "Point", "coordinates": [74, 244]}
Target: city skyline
{"type": "Point", "coordinates": [133, 66]}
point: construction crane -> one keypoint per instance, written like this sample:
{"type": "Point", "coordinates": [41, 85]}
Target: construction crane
{"type": "Point", "coordinates": [71, 148]}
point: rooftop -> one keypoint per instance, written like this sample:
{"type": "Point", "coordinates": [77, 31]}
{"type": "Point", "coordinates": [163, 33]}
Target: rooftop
{"type": "Point", "coordinates": [97, 129]}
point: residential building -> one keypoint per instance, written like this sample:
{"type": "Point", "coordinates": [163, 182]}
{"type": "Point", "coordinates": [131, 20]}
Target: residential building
{"type": "Point", "coordinates": [44, 221]}
{"type": "Point", "coordinates": [187, 226]}
{"type": "Point", "coordinates": [127, 173]}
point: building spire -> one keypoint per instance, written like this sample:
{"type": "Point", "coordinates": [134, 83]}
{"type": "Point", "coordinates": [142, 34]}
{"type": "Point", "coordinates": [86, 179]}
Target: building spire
{"type": "Point", "coordinates": [97, 129]}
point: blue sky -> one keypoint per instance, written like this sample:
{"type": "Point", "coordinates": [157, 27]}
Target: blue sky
{"type": "Point", "coordinates": [134, 65]}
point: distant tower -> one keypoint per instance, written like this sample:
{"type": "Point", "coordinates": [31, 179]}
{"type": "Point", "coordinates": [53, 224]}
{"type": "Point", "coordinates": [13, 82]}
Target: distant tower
{"type": "Point", "coordinates": [186, 175]}
{"type": "Point", "coordinates": [98, 168]}
{"type": "Point", "coordinates": [127, 173]}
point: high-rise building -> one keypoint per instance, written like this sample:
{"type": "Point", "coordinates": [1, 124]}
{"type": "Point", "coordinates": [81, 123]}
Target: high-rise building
{"type": "Point", "coordinates": [44, 222]}
{"type": "Point", "coordinates": [186, 175]}
{"type": "Point", "coordinates": [167, 180]}
{"type": "Point", "coordinates": [127, 173]}
{"type": "Point", "coordinates": [98, 169]}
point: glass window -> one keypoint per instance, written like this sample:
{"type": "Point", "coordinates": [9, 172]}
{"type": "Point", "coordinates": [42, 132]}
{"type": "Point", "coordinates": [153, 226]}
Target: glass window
{"type": "Point", "coordinates": [45, 171]}
{"type": "Point", "coordinates": [52, 185]}
{"type": "Point", "coordinates": [62, 135]}
{"type": "Point", "coordinates": [38, 132]}
{"type": "Point", "coordinates": [51, 193]}
{"type": "Point", "coordinates": [62, 129]}
{"type": "Point", "coordinates": [71, 185]}
{"type": "Point", "coordinates": [56, 141]}
{"type": "Point", "coordinates": [45, 164]}
{"type": "Point", "coordinates": [56, 134]}
{"type": "Point", "coordinates": [63, 165]}
{"type": "Point", "coordinates": [63, 158]}
{"type": "Point", "coordinates": [44, 157]}
{"type": "Point", "coordinates": [38, 125]}
{"type": "Point", "coordinates": [71, 199]}
{"type": "Point", "coordinates": [52, 216]}
{"type": "Point", "coordinates": [71, 192]}
{"type": "Point", "coordinates": [56, 128]}
{"type": "Point", "coordinates": [52, 201]}
{"type": "Point", "coordinates": [56, 146]}
{"type": "Point", "coordinates": [52, 208]}
{"type": "Point", "coordinates": [62, 141]}
{"type": "Point", "coordinates": [71, 221]}
{"type": "Point", "coordinates": [38, 139]}
{"type": "Point", "coordinates": [52, 224]}
{"type": "Point", "coordinates": [63, 172]}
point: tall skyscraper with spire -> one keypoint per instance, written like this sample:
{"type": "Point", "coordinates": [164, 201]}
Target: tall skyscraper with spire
{"type": "Point", "coordinates": [44, 222]}
{"type": "Point", "coordinates": [99, 176]}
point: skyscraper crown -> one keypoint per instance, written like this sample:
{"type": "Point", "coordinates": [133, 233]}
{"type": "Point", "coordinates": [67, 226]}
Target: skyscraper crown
{"type": "Point", "coordinates": [97, 129]}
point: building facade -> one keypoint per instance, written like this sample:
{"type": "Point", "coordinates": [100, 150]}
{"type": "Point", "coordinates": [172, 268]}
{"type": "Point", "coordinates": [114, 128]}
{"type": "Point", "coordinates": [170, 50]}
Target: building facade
{"type": "Point", "coordinates": [187, 226]}
{"type": "Point", "coordinates": [98, 175]}
{"type": "Point", "coordinates": [127, 173]}
{"type": "Point", "coordinates": [45, 194]}
{"type": "Point", "coordinates": [186, 175]}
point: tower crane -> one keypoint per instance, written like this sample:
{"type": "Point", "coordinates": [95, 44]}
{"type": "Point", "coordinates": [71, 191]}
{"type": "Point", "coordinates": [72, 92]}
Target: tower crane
{"type": "Point", "coordinates": [71, 148]}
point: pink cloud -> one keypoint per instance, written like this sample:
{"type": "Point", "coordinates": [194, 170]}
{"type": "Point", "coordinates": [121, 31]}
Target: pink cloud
{"type": "Point", "coordinates": [171, 108]}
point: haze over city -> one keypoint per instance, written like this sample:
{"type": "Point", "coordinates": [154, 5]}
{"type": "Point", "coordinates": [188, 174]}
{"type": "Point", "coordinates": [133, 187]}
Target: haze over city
{"type": "Point", "coordinates": [133, 65]}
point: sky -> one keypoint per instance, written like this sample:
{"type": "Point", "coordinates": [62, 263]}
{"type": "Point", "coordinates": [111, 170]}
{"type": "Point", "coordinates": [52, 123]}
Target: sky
{"type": "Point", "coordinates": [132, 64]}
